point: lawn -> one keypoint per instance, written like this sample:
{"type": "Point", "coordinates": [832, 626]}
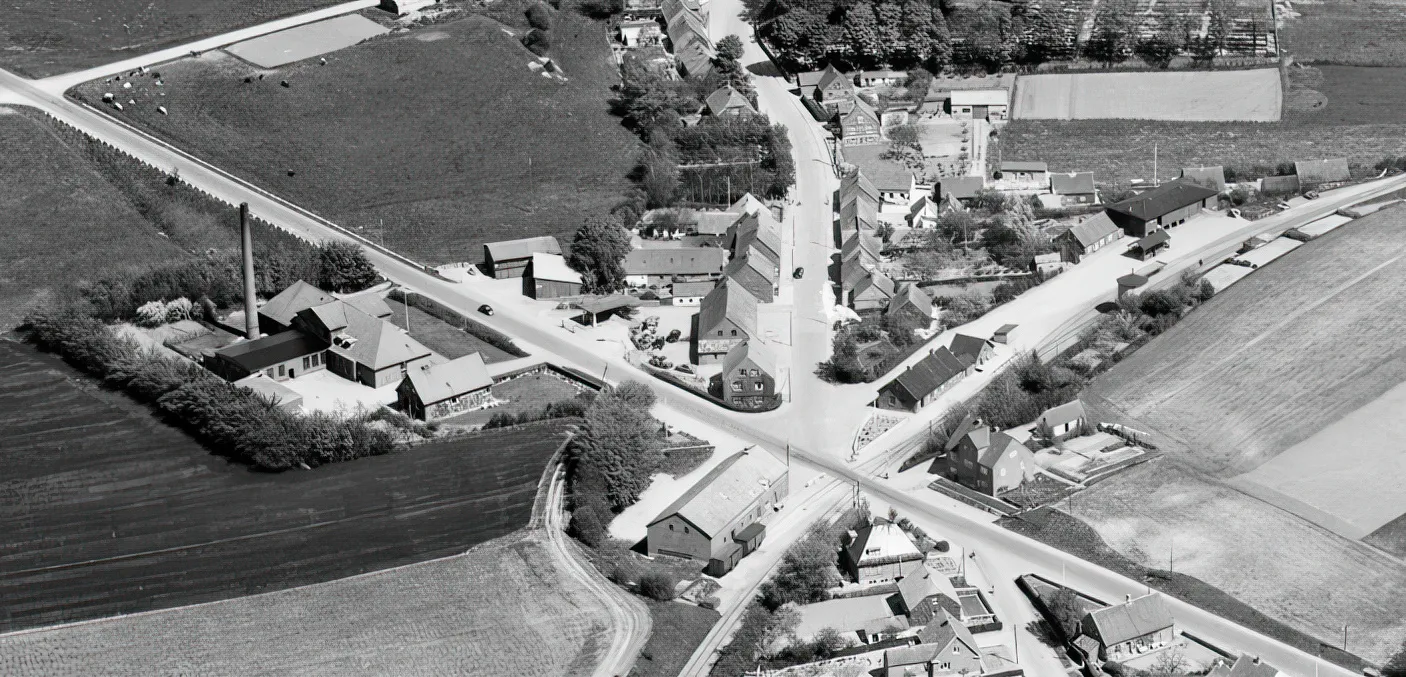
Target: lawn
{"type": "Point", "coordinates": [678, 630]}
{"type": "Point", "coordinates": [1371, 33]}
{"type": "Point", "coordinates": [40, 38]}
{"type": "Point", "coordinates": [432, 140]}
{"type": "Point", "coordinates": [442, 337]}
{"type": "Point", "coordinates": [1328, 112]}
{"type": "Point", "coordinates": [523, 394]}
{"type": "Point", "coordinates": [109, 511]}
{"type": "Point", "coordinates": [503, 609]}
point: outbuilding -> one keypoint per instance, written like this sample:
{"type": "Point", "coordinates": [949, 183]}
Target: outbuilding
{"type": "Point", "coordinates": [721, 518]}
{"type": "Point", "coordinates": [509, 258]}
{"type": "Point", "coordinates": [434, 391]}
{"type": "Point", "coordinates": [1148, 247]}
{"type": "Point", "coordinates": [280, 357]}
{"type": "Point", "coordinates": [1074, 189]}
{"type": "Point", "coordinates": [980, 104]}
{"type": "Point", "coordinates": [645, 267]}
{"type": "Point", "coordinates": [548, 277]}
{"type": "Point", "coordinates": [1166, 206]}
{"type": "Point", "coordinates": [1088, 236]}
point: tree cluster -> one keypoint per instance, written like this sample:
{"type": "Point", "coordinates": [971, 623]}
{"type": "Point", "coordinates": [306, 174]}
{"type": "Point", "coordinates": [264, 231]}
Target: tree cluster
{"type": "Point", "coordinates": [229, 420]}
{"type": "Point", "coordinates": [598, 253]}
{"type": "Point", "coordinates": [612, 458]}
{"type": "Point", "coordinates": [806, 572]}
{"type": "Point", "coordinates": [538, 40]}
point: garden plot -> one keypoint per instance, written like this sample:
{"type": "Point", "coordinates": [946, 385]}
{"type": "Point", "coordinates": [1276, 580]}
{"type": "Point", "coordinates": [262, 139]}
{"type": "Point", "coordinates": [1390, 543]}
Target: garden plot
{"type": "Point", "coordinates": [304, 42]}
{"type": "Point", "coordinates": [1252, 95]}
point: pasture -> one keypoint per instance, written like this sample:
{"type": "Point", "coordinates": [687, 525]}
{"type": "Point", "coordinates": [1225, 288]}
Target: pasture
{"type": "Point", "coordinates": [109, 511]}
{"type": "Point", "coordinates": [306, 41]}
{"type": "Point", "coordinates": [1347, 32]}
{"type": "Point", "coordinates": [39, 38]}
{"type": "Point", "coordinates": [504, 608]}
{"type": "Point", "coordinates": [1252, 95]}
{"type": "Point", "coordinates": [432, 147]}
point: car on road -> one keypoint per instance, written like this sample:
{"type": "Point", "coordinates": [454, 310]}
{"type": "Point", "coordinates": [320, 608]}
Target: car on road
{"type": "Point", "coordinates": [800, 272]}
{"type": "Point", "coordinates": [684, 368]}
{"type": "Point", "coordinates": [1283, 205]}
{"type": "Point", "coordinates": [673, 336]}
{"type": "Point", "coordinates": [485, 309]}
{"type": "Point", "coordinates": [661, 362]}
{"type": "Point", "coordinates": [1312, 195]}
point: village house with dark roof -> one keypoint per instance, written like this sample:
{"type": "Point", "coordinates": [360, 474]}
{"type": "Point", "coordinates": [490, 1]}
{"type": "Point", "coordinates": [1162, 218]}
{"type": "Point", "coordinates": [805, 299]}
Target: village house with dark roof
{"type": "Point", "coordinates": [1074, 189]}
{"type": "Point", "coordinates": [921, 383]}
{"type": "Point", "coordinates": [860, 126]}
{"type": "Point", "coordinates": [1147, 247]}
{"type": "Point", "coordinates": [960, 188]}
{"type": "Point", "coordinates": [862, 245]}
{"type": "Point", "coordinates": [871, 292]}
{"type": "Point", "coordinates": [280, 357]}
{"type": "Point", "coordinates": [984, 459]}
{"type": "Point", "coordinates": [434, 391]}
{"type": "Point", "coordinates": [1025, 172]}
{"type": "Point", "coordinates": [912, 305]}
{"type": "Point", "coordinates": [728, 102]}
{"type": "Point", "coordinates": [726, 317]}
{"type": "Point", "coordinates": [754, 272]}
{"type": "Point", "coordinates": [644, 267]}
{"type": "Point", "coordinates": [859, 214]}
{"type": "Point", "coordinates": [748, 378]}
{"type": "Point", "coordinates": [1206, 177]}
{"type": "Point", "coordinates": [509, 258]}
{"type": "Point", "coordinates": [924, 594]}
{"type": "Point", "coordinates": [1088, 236]}
{"type": "Point", "coordinates": [829, 88]}
{"type": "Point", "coordinates": [363, 348]}
{"type": "Point", "coordinates": [1131, 628]}
{"type": "Point", "coordinates": [1166, 206]}
{"type": "Point", "coordinates": [880, 553]}
{"type": "Point", "coordinates": [276, 315]}
{"type": "Point", "coordinates": [720, 519]}
{"type": "Point", "coordinates": [1244, 666]}
{"type": "Point", "coordinates": [972, 351]}
{"type": "Point", "coordinates": [760, 230]}
{"type": "Point", "coordinates": [946, 647]}
{"type": "Point", "coordinates": [857, 185]}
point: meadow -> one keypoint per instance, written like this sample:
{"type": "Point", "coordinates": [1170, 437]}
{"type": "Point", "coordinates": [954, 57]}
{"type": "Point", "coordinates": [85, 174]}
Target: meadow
{"type": "Point", "coordinates": [109, 511]}
{"type": "Point", "coordinates": [432, 140]}
{"type": "Point", "coordinates": [1347, 32]}
{"type": "Point", "coordinates": [40, 38]}
{"type": "Point", "coordinates": [1199, 96]}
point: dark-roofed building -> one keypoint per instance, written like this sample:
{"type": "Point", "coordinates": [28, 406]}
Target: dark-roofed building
{"type": "Point", "coordinates": [755, 273]}
{"type": "Point", "coordinates": [984, 459]}
{"type": "Point", "coordinates": [434, 391]}
{"type": "Point", "coordinates": [281, 356]}
{"type": "Point", "coordinates": [1088, 236]}
{"type": "Point", "coordinates": [894, 181]}
{"type": "Point", "coordinates": [1131, 628]}
{"type": "Point", "coordinates": [1280, 185]}
{"type": "Point", "coordinates": [971, 351]}
{"type": "Point", "coordinates": [600, 309]}
{"type": "Point", "coordinates": [644, 267]}
{"type": "Point", "coordinates": [688, 37]}
{"type": "Point", "coordinates": [1317, 173]}
{"type": "Point", "coordinates": [748, 378]}
{"type": "Point", "coordinates": [1074, 189]}
{"type": "Point", "coordinates": [863, 246]}
{"type": "Point", "coordinates": [946, 647]}
{"type": "Point", "coordinates": [912, 305]}
{"type": "Point", "coordinates": [728, 102]}
{"type": "Point", "coordinates": [510, 257]}
{"type": "Point", "coordinates": [1168, 205]}
{"type": "Point", "coordinates": [1130, 282]}
{"type": "Point", "coordinates": [830, 88]}
{"type": "Point", "coordinates": [872, 292]}
{"type": "Point", "coordinates": [859, 214]}
{"type": "Point", "coordinates": [857, 185]}
{"type": "Point", "coordinates": [363, 348]}
{"type": "Point", "coordinates": [726, 317]}
{"type": "Point", "coordinates": [922, 382]}
{"type": "Point", "coordinates": [720, 519]}
{"type": "Point", "coordinates": [276, 315]}
{"type": "Point", "coordinates": [690, 293]}
{"type": "Point", "coordinates": [1060, 423]}
{"type": "Point", "coordinates": [548, 277]}
{"type": "Point", "coordinates": [1004, 334]}
{"type": "Point", "coordinates": [925, 594]}
{"type": "Point", "coordinates": [1206, 177]}
{"type": "Point", "coordinates": [960, 188]}
{"type": "Point", "coordinates": [757, 230]}
{"type": "Point", "coordinates": [1244, 666]}
{"type": "Point", "coordinates": [1148, 247]}
{"type": "Point", "coordinates": [880, 553]}
{"type": "Point", "coordinates": [923, 212]}
{"type": "Point", "coordinates": [860, 126]}
{"type": "Point", "coordinates": [1023, 171]}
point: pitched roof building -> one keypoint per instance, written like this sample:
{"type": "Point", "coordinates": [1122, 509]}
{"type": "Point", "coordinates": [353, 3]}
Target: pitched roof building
{"type": "Point", "coordinates": [1088, 236]}
{"type": "Point", "coordinates": [1206, 177]}
{"type": "Point", "coordinates": [728, 101]}
{"type": "Point", "coordinates": [912, 304]}
{"type": "Point", "coordinates": [971, 351]}
{"type": "Point", "coordinates": [960, 187]}
{"type": "Point", "coordinates": [509, 258]}
{"type": "Point", "coordinates": [1313, 173]}
{"type": "Point", "coordinates": [1168, 205]}
{"type": "Point", "coordinates": [548, 277]}
{"type": "Point", "coordinates": [761, 231]}
{"type": "Point", "coordinates": [863, 245]}
{"type": "Point", "coordinates": [276, 315]}
{"type": "Point", "coordinates": [434, 391]}
{"type": "Point", "coordinates": [879, 553]}
{"type": "Point", "coordinates": [1062, 422]}
{"type": "Point", "coordinates": [363, 348]}
{"type": "Point", "coordinates": [675, 264]}
{"type": "Point", "coordinates": [945, 647]}
{"type": "Point", "coordinates": [871, 292]}
{"type": "Point", "coordinates": [749, 374]}
{"type": "Point", "coordinates": [720, 518]}
{"type": "Point", "coordinates": [1130, 628]}
{"type": "Point", "coordinates": [859, 214]}
{"type": "Point", "coordinates": [755, 273]}
{"type": "Point", "coordinates": [920, 384]}
{"type": "Point", "coordinates": [860, 125]}
{"type": "Point", "coordinates": [1244, 666]}
{"type": "Point", "coordinates": [727, 316]}
{"type": "Point", "coordinates": [984, 459]}
{"type": "Point", "coordinates": [856, 185]}
{"type": "Point", "coordinates": [925, 594]}
{"type": "Point", "coordinates": [279, 356]}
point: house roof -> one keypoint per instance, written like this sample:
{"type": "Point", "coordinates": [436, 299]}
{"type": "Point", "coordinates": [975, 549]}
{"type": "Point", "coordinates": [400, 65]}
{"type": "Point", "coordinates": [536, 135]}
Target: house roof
{"type": "Point", "coordinates": [1207, 177]}
{"type": "Point", "coordinates": [1152, 241]}
{"type": "Point", "coordinates": [918, 654]}
{"type": "Point", "coordinates": [521, 249]}
{"type": "Point", "coordinates": [439, 382]}
{"type": "Point", "coordinates": [911, 295]}
{"type": "Point", "coordinates": [882, 543]}
{"type": "Point", "coordinates": [282, 395]}
{"type": "Point", "coordinates": [371, 304]}
{"type": "Point", "coordinates": [747, 204]}
{"type": "Point", "coordinates": [923, 207]}
{"type": "Point", "coordinates": [858, 214]}
{"type": "Point", "coordinates": [680, 261]}
{"type": "Point", "coordinates": [693, 289]}
{"type": "Point", "coordinates": [999, 442]}
{"type": "Point", "coordinates": [858, 184]}
{"type": "Point", "coordinates": [1244, 666]}
{"type": "Point", "coordinates": [1132, 619]}
{"type": "Point", "coordinates": [713, 223]}
{"type": "Point", "coordinates": [295, 297]}
{"type": "Point", "coordinates": [853, 270]}
{"type": "Point", "coordinates": [270, 350]}
{"type": "Point", "coordinates": [753, 350]}
{"type": "Point", "coordinates": [875, 280]}
{"type": "Point", "coordinates": [695, 53]}
{"type": "Point", "coordinates": [553, 267]}
{"type": "Point", "coordinates": [922, 584]}
{"type": "Point", "coordinates": [971, 426]}
{"type": "Point", "coordinates": [1005, 329]}
{"type": "Point", "coordinates": [754, 260]}
{"type": "Point", "coordinates": [1093, 229]}
{"type": "Point", "coordinates": [754, 230]}
{"type": "Point", "coordinates": [377, 344]}
{"type": "Point", "coordinates": [861, 241]}
{"type": "Point", "coordinates": [1280, 184]}
{"type": "Point", "coordinates": [1161, 200]}
{"type": "Point", "coordinates": [1132, 280]}
{"type": "Point", "coordinates": [605, 303]}
{"type": "Point", "coordinates": [928, 374]}
{"type": "Point", "coordinates": [725, 98]}
{"type": "Point", "coordinates": [980, 97]}
{"type": "Point", "coordinates": [886, 175]}
{"type": "Point", "coordinates": [830, 76]}
{"type": "Point", "coordinates": [728, 301]}
{"type": "Point", "coordinates": [1311, 172]}
{"type": "Point", "coordinates": [1024, 166]}
{"type": "Point", "coordinates": [964, 347]}
{"type": "Point", "coordinates": [960, 187]}
{"type": "Point", "coordinates": [726, 490]}
{"type": "Point", "coordinates": [1077, 183]}
{"type": "Point", "coordinates": [861, 108]}
{"type": "Point", "coordinates": [944, 630]}
{"type": "Point", "coordinates": [1064, 413]}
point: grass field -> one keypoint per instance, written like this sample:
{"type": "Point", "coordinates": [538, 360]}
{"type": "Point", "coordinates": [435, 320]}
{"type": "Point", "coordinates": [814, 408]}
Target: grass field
{"type": "Point", "coordinates": [442, 337]}
{"type": "Point", "coordinates": [1391, 537]}
{"type": "Point", "coordinates": [527, 393]}
{"type": "Point", "coordinates": [1327, 112]}
{"type": "Point", "coordinates": [1199, 96]}
{"type": "Point", "coordinates": [434, 139]}
{"type": "Point", "coordinates": [678, 630]}
{"type": "Point", "coordinates": [503, 609]}
{"type": "Point", "coordinates": [39, 38]}
{"type": "Point", "coordinates": [1371, 33]}
{"type": "Point", "coordinates": [51, 198]}
{"type": "Point", "coordinates": [109, 511]}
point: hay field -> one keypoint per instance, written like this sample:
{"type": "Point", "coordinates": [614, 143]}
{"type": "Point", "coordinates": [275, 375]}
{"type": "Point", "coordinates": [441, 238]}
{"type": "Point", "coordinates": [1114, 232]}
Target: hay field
{"type": "Point", "coordinates": [1252, 95]}
{"type": "Point", "coordinates": [1277, 563]}
{"type": "Point", "coordinates": [502, 609]}
{"type": "Point", "coordinates": [1347, 32]}
{"type": "Point", "coordinates": [39, 38]}
{"type": "Point", "coordinates": [432, 145]}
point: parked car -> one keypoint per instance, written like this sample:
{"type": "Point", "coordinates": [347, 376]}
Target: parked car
{"type": "Point", "coordinates": [673, 336]}
{"type": "Point", "coordinates": [684, 368]}
{"type": "Point", "coordinates": [485, 309]}
{"type": "Point", "coordinates": [658, 343]}
{"type": "Point", "coordinates": [1282, 205]}
{"type": "Point", "coordinates": [1312, 195]}
{"type": "Point", "coordinates": [660, 362]}
{"type": "Point", "coordinates": [800, 272]}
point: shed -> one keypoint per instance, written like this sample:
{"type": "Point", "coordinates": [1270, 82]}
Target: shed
{"type": "Point", "coordinates": [1206, 177]}
{"type": "Point", "coordinates": [1004, 333]}
{"type": "Point", "coordinates": [1314, 173]}
{"type": "Point", "coordinates": [1130, 282]}
{"type": "Point", "coordinates": [509, 258]}
{"type": "Point", "coordinates": [550, 278]}
{"type": "Point", "coordinates": [1148, 246]}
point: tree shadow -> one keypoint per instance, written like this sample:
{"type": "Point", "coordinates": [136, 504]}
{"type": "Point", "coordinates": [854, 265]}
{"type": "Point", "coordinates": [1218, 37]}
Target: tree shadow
{"type": "Point", "coordinates": [765, 69]}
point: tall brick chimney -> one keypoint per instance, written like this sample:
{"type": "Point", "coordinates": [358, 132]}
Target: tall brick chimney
{"type": "Point", "coordinates": [251, 306]}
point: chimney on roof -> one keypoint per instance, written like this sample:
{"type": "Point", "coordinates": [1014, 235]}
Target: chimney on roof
{"type": "Point", "coordinates": [251, 306]}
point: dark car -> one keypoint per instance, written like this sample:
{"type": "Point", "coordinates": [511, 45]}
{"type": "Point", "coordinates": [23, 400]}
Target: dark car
{"type": "Point", "coordinates": [684, 368]}
{"type": "Point", "coordinates": [800, 272]}
{"type": "Point", "coordinates": [485, 309]}
{"type": "Point", "coordinates": [1312, 195]}
{"type": "Point", "coordinates": [673, 336]}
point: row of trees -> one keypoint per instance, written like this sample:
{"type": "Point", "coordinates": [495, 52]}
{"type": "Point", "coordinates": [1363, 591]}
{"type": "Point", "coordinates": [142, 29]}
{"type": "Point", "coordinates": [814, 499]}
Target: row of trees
{"type": "Point", "coordinates": [612, 458]}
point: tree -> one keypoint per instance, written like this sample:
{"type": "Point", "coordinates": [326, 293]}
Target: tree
{"type": "Point", "coordinates": [1159, 302]}
{"type": "Point", "coordinates": [658, 175]}
{"type": "Point", "coordinates": [345, 268]}
{"type": "Point", "coordinates": [861, 31]}
{"type": "Point", "coordinates": [1169, 663]}
{"type": "Point", "coordinates": [920, 79]}
{"type": "Point", "coordinates": [939, 43]}
{"type": "Point", "coordinates": [1396, 665]}
{"type": "Point", "coordinates": [729, 48]}
{"type": "Point", "coordinates": [1067, 611]}
{"type": "Point", "coordinates": [989, 37]}
{"type": "Point", "coordinates": [888, 16]}
{"type": "Point", "coordinates": [1115, 30]}
{"type": "Point", "coordinates": [843, 365]}
{"type": "Point", "coordinates": [806, 572]}
{"type": "Point", "coordinates": [616, 451]}
{"type": "Point", "coordinates": [658, 586]}
{"type": "Point", "coordinates": [598, 252]}
{"type": "Point", "coordinates": [1048, 37]}
{"type": "Point", "coordinates": [539, 16]}
{"type": "Point", "coordinates": [917, 31]}
{"type": "Point", "coordinates": [1157, 50]}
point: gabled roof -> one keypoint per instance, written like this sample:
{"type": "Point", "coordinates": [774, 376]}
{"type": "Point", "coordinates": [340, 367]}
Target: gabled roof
{"type": "Point", "coordinates": [270, 350]}
{"type": "Point", "coordinates": [676, 261]}
{"type": "Point", "coordinates": [980, 97]}
{"type": "Point", "coordinates": [875, 280]}
{"type": "Point", "coordinates": [371, 304]}
{"type": "Point", "coordinates": [1207, 177]}
{"type": "Point", "coordinates": [922, 584]}
{"type": "Point", "coordinates": [726, 490]}
{"type": "Point", "coordinates": [1280, 184]}
{"type": "Point", "coordinates": [960, 187]}
{"type": "Point", "coordinates": [968, 348]}
{"type": "Point", "coordinates": [297, 296]}
{"type": "Point", "coordinates": [909, 295]}
{"type": "Point", "coordinates": [747, 204]}
{"type": "Point", "coordinates": [754, 260]}
{"type": "Point", "coordinates": [859, 215]}
{"type": "Point", "coordinates": [861, 108]}
{"type": "Point", "coordinates": [728, 301]}
{"type": "Point", "coordinates": [727, 98]}
{"type": "Point", "coordinates": [713, 223]}
{"type": "Point", "coordinates": [1093, 229]}
{"type": "Point", "coordinates": [1132, 619]}
{"type": "Point", "coordinates": [553, 267]}
{"type": "Point", "coordinates": [923, 207]}
{"type": "Point", "coordinates": [928, 374]}
{"type": "Point", "coordinates": [754, 230]}
{"type": "Point", "coordinates": [853, 270]}
{"type": "Point", "coordinates": [1024, 165]}
{"type": "Point", "coordinates": [1245, 666]}
{"type": "Point", "coordinates": [882, 543]}
{"type": "Point", "coordinates": [970, 426]}
{"type": "Point", "coordinates": [918, 654]}
{"type": "Point", "coordinates": [860, 241]}
{"type": "Point", "coordinates": [1154, 240]}
{"type": "Point", "coordinates": [378, 344]}
{"type": "Point", "coordinates": [858, 184]}
{"type": "Point", "coordinates": [521, 249]}
{"type": "Point", "coordinates": [1078, 183]}
{"type": "Point", "coordinates": [830, 76]}
{"type": "Point", "coordinates": [1161, 200]}
{"type": "Point", "coordinates": [886, 175]}
{"type": "Point", "coordinates": [752, 350]}
{"type": "Point", "coordinates": [693, 289]}
{"type": "Point", "coordinates": [439, 382]}
{"type": "Point", "coordinates": [1064, 413]}
{"type": "Point", "coordinates": [1313, 172]}
{"type": "Point", "coordinates": [944, 630]}
{"type": "Point", "coordinates": [695, 53]}
{"type": "Point", "coordinates": [999, 444]}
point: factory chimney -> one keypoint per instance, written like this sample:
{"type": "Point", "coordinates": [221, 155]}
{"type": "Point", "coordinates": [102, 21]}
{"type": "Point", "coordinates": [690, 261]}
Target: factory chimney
{"type": "Point", "coordinates": [251, 306]}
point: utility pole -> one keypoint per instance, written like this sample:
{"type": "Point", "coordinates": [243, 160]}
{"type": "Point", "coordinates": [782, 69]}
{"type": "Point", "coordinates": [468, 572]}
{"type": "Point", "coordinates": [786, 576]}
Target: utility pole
{"type": "Point", "coordinates": [1155, 181]}
{"type": "Point", "coordinates": [1171, 551]}
{"type": "Point", "coordinates": [1344, 636]}
{"type": "Point", "coordinates": [407, 310]}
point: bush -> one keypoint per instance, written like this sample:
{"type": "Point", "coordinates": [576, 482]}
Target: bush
{"type": "Point", "coordinates": [344, 267]}
{"type": "Point", "coordinates": [942, 546]}
{"type": "Point", "coordinates": [624, 573]}
{"type": "Point", "coordinates": [658, 586]}
{"type": "Point", "coordinates": [540, 16]}
{"type": "Point", "coordinates": [537, 42]}
{"type": "Point", "coordinates": [150, 314]}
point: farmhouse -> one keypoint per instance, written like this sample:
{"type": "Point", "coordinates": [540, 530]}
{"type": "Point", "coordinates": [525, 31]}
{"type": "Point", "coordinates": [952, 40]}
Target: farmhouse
{"type": "Point", "coordinates": [971, 351]}
{"type": "Point", "coordinates": [894, 182]}
{"type": "Point", "coordinates": [1074, 189]}
{"type": "Point", "coordinates": [727, 316]}
{"type": "Point", "coordinates": [276, 315]}
{"type": "Point", "coordinates": [1034, 173]}
{"type": "Point", "coordinates": [363, 348]}
{"type": "Point", "coordinates": [830, 88]}
{"type": "Point", "coordinates": [728, 102]}
{"type": "Point", "coordinates": [749, 376]}
{"type": "Point", "coordinates": [946, 647]}
{"type": "Point", "coordinates": [979, 104]}
{"type": "Point", "coordinates": [981, 458]}
{"type": "Point", "coordinates": [872, 292]}
{"type": "Point", "coordinates": [1148, 247]}
{"type": "Point", "coordinates": [548, 277]}
{"type": "Point", "coordinates": [510, 258]}
{"type": "Point", "coordinates": [720, 518]}
{"type": "Point", "coordinates": [434, 391]}
{"type": "Point", "coordinates": [880, 553]}
{"type": "Point", "coordinates": [644, 267]}
{"type": "Point", "coordinates": [1061, 423]}
{"type": "Point", "coordinates": [863, 246]}
{"type": "Point", "coordinates": [922, 382]}
{"type": "Point", "coordinates": [960, 188]}
{"type": "Point", "coordinates": [860, 126]}
{"type": "Point", "coordinates": [690, 293]}
{"type": "Point", "coordinates": [760, 231]}
{"type": "Point", "coordinates": [912, 305]}
{"type": "Point", "coordinates": [857, 186]}
{"type": "Point", "coordinates": [688, 37]}
{"type": "Point", "coordinates": [925, 594]}
{"type": "Point", "coordinates": [1088, 236]}
{"type": "Point", "coordinates": [859, 214]}
{"type": "Point", "coordinates": [755, 273]}
{"type": "Point", "coordinates": [1131, 628]}
{"type": "Point", "coordinates": [1206, 177]}
{"type": "Point", "coordinates": [1319, 173]}
{"type": "Point", "coordinates": [280, 357]}
{"type": "Point", "coordinates": [1169, 205]}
